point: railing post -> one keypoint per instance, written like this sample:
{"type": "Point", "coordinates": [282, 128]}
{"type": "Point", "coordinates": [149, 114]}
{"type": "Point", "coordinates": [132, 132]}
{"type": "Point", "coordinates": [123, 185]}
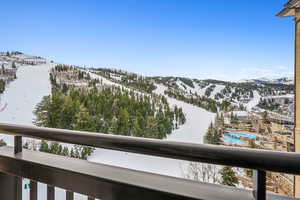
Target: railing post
{"type": "Point", "coordinates": [50, 192]}
{"type": "Point", "coordinates": [18, 180]}
{"type": "Point", "coordinates": [259, 184]}
{"type": "Point", "coordinates": [69, 195]}
{"type": "Point", "coordinates": [18, 144]}
{"type": "Point", "coordinates": [33, 190]}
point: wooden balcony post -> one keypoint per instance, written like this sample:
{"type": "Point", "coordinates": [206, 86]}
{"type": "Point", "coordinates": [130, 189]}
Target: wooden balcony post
{"type": "Point", "coordinates": [11, 186]}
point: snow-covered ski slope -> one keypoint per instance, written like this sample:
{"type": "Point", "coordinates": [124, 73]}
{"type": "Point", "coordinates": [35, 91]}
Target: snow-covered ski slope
{"type": "Point", "coordinates": [192, 131]}
{"type": "Point", "coordinates": [23, 94]}
{"type": "Point", "coordinates": [32, 83]}
{"type": "Point", "coordinates": [20, 97]}
{"type": "Point", "coordinates": [254, 101]}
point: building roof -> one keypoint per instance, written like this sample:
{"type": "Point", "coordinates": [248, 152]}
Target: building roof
{"type": "Point", "coordinates": [289, 9]}
{"type": "Point", "coordinates": [240, 113]}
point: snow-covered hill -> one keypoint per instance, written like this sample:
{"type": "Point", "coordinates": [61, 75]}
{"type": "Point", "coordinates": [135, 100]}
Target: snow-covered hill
{"type": "Point", "coordinates": [212, 95]}
{"type": "Point", "coordinates": [24, 93]}
{"type": "Point", "coordinates": [195, 97]}
{"type": "Point", "coordinates": [21, 95]}
{"type": "Point", "coordinates": [192, 131]}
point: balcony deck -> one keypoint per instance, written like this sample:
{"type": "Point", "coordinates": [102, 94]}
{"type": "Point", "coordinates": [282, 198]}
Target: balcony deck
{"type": "Point", "coordinates": [113, 183]}
{"type": "Point", "coordinates": [87, 178]}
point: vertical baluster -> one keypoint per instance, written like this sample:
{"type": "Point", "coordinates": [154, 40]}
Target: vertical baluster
{"type": "Point", "coordinates": [91, 198]}
{"type": "Point", "coordinates": [33, 190]}
{"type": "Point", "coordinates": [69, 195]}
{"type": "Point", "coordinates": [259, 184]}
{"type": "Point", "coordinates": [50, 192]}
{"type": "Point", "coordinates": [18, 180]}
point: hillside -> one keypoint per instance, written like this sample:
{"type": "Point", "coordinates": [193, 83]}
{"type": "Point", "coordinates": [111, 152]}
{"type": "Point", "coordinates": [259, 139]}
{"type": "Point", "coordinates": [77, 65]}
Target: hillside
{"type": "Point", "coordinates": [169, 108]}
{"type": "Point", "coordinates": [33, 82]}
{"type": "Point", "coordinates": [213, 95]}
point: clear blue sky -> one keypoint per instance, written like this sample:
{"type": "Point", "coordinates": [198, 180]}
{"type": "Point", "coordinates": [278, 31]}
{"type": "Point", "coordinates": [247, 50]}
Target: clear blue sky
{"type": "Point", "coordinates": [225, 39]}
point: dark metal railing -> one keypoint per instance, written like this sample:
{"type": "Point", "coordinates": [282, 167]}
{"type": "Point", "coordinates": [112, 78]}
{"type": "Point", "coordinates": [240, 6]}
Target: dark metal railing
{"type": "Point", "coordinates": [259, 160]}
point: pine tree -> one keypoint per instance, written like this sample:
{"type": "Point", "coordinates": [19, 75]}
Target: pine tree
{"type": "Point", "coordinates": [26, 145]}
{"type": "Point", "coordinates": [83, 121]}
{"type": "Point", "coordinates": [2, 143]}
{"type": "Point", "coordinates": [208, 138]}
{"type": "Point", "coordinates": [13, 65]}
{"type": "Point", "coordinates": [222, 119]}
{"type": "Point", "coordinates": [123, 122]}
{"type": "Point", "coordinates": [228, 176]}
{"type": "Point", "coordinates": [136, 130]}
{"type": "Point", "coordinates": [44, 146]}
{"type": "Point", "coordinates": [72, 154]}
{"type": "Point", "coordinates": [76, 151]}
{"type": "Point", "coordinates": [216, 137]}
{"type": "Point", "coordinates": [265, 116]}
{"type": "Point", "coordinates": [65, 151]}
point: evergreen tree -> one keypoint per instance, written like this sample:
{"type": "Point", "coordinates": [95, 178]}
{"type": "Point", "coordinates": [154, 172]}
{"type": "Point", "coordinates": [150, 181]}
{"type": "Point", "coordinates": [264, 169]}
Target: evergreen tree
{"type": "Point", "coordinates": [228, 176]}
{"type": "Point", "coordinates": [212, 135]}
{"type": "Point", "coordinates": [222, 119]}
{"type": "Point", "coordinates": [2, 143]}
{"type": "Point", "coordinates": [72, 154]}
{"type": "Point", "coordinates": [26, 145]}
{"type": "Point", "coordinates": [44, 146]}
{"type": "Point", "coordinates": [265, 117]}
{"type": "Point", "coordinates": [83, 121]}
{"type": "Point", "coordinates": [208, 138]}
{"type": "Point", "coordinates": [65, 151]}
{"type": "Point", "coordinates": [13, 65]}
{"type": "Point", "coordinates": [136, 130]}
{"type": "Point", "coordinates": [108, 110]}
{"type": "Point", "coordinates": [123, 122]}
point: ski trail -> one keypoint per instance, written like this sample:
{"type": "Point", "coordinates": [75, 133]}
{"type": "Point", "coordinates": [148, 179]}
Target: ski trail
{"type": "Point", "coordinates": [192, 131]}
{"type": "Point", "coordinates": [33, 83]}
{"type": "Point", "coordinates": [22, 95]}
{"type": "Point", "coordinates": [254, 101]}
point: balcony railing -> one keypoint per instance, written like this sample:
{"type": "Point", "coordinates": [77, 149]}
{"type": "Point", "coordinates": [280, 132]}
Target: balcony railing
{"type": "Point", "coordinates": [110, 183]}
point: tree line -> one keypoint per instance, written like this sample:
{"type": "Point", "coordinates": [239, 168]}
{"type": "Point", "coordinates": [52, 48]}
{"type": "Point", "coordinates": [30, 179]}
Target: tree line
{"type": "Point", "coordinates": [202, 101]}
{"type": "Point", "coordinates": [109, 110]}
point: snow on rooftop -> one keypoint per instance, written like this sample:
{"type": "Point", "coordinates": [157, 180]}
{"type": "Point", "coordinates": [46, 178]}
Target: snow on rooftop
{"type": "Point", "coordinates": [240, 113]}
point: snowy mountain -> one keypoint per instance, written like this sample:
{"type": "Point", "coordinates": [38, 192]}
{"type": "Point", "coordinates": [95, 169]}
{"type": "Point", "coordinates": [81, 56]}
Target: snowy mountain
{"type": "Point", "coordinates": [26, 80]}
{"type": "Point", "coordinates": [33, 82]}
{"type": "Point", "coordinates": [212, 95]}
{"type": "Point", "coordinates": [283, 80]}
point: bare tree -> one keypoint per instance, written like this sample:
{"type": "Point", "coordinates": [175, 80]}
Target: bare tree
{"type": "Point", "coordinates": [203, 172]}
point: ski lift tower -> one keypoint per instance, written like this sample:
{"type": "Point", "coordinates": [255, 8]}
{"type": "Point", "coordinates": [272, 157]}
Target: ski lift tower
{"type": "Point", "coordinates": [292, 9]}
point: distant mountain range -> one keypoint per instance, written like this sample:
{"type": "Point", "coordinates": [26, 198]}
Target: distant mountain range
{"type": "Point", "coordinates": [283, 80]}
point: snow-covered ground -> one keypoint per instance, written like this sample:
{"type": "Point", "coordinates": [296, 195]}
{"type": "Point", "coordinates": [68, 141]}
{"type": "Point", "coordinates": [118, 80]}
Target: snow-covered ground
{"type": "Point", "coordinates": [32, 83]}
{"type": "Point", "coordinates": [19, 100]}
{"type": "Point", "coordinates": [192, 131]}
{"type": "Point", "coordinates": [199, 90]}
{"type": "Point", "coordinates": [216, 90]}
{"type": "Point", "coordinates": [254, 101]}
{"type": "Point", "coordinates": [288, 96]}
{"type": "Point", "coordinates": [21, 96]}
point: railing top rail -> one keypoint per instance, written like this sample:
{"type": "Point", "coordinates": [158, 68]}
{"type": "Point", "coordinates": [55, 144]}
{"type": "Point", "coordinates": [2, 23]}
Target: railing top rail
{"type": "Point", "coordinates": [216, 154]}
